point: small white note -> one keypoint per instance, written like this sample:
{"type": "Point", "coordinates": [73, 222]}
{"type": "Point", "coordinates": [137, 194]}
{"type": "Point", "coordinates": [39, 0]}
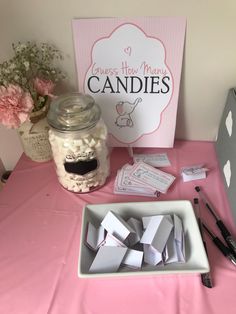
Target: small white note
{"type": "Point", "coordinates": [155, 160]}
{"type": "Point", "coordinates": [195, 172]}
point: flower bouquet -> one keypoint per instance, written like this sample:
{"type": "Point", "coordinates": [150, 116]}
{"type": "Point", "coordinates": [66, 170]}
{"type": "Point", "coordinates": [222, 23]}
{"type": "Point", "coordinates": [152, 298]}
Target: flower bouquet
{"type": "Point", "coordinates": [27, 82]}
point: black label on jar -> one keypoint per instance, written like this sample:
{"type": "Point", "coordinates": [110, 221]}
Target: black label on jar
{"type": "Point", "coordinates": [81, 167]}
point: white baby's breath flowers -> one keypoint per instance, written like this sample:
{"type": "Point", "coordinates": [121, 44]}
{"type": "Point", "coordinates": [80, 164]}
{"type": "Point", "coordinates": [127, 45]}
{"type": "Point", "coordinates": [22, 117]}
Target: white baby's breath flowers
{"type": "Point", "coordinates": [20, 47]}
{"type": "Point", "coordinates": [26, 64]}
{"type": "Point", "coordinates": [12, 66]}
{"type": "Point", "coordinates": [32, 62]}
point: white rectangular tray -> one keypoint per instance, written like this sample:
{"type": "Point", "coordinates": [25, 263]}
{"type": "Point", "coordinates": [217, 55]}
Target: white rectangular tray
{"type": "Point", "coordinates": [196, 258]}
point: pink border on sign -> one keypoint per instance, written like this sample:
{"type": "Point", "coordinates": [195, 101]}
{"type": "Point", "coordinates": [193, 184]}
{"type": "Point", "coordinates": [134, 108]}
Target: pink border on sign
{"type": "Point", "coordinates": [170, 30]}
{"type": "Point", "coordinates": [91, 62]}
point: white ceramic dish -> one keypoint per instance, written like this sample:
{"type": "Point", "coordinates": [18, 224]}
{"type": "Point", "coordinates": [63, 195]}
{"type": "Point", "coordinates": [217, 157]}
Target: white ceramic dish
{"type": "Point", "coordinates": [196, 258]}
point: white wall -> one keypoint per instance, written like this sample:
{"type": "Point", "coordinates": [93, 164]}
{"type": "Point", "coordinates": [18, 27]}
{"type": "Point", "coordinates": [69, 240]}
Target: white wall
{"type": "Point", "coordinates": [209, 67]}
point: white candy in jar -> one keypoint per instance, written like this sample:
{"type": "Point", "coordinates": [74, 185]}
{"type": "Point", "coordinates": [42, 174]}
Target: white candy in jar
{"type": "Point", "coordinates": [78, 139]}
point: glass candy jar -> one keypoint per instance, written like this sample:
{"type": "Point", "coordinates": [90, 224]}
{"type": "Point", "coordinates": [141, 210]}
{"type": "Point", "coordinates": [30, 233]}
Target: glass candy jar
{"type": "Point", "coordinates": [78, 138]}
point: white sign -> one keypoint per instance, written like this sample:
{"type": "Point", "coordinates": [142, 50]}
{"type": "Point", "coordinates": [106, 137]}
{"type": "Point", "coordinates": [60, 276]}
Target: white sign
{"type": "Point", "coordinates": [133, 71]}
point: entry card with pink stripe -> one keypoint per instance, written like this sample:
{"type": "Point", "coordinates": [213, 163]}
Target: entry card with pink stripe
{"type": "Point", "coordinates": [132, 68]}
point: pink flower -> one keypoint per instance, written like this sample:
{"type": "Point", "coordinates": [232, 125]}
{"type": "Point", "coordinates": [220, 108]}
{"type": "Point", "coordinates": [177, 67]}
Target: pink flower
{"type": "Point", "coordinates": [15, 106]}
{"type": "Point", "coordinates": [44, 87]}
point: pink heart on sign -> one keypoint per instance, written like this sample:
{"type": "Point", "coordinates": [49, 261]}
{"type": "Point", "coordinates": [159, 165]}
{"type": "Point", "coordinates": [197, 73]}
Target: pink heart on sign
{"type": "Point", "coordinates": [127, 50]}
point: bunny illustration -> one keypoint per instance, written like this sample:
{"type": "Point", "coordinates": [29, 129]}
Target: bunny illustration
{"type": "Point", "coordinates": [124, 110]}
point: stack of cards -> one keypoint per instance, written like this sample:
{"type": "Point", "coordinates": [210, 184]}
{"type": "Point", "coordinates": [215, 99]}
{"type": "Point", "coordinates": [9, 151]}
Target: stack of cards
{"type": "Point", "coordinates": [142, 179]}
{"type": "Point", "coordinates": [154, 240]}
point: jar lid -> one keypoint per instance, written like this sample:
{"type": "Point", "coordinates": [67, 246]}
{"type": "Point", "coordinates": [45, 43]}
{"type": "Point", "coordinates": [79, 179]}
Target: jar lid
{"type": "Point", "coordinates": [73, 112]}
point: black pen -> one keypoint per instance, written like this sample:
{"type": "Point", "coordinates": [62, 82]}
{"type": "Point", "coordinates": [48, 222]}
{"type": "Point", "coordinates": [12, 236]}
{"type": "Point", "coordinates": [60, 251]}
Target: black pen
{"type": "Point", "coordinates": [224, 249]}
{"type": "Point", "coordinates": [224, 231]}
{"type": "Point", "coordinates": [205, 277]}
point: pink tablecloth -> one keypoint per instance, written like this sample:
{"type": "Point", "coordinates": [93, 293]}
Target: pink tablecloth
{"type": "Point", "coordinates": [40, 226]}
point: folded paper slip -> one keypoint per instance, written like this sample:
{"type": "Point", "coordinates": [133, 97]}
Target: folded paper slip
{"type": "Point", "coordinates": [133, 259]}
{"type": "Point", "coordinates": [195, 172]}
{"type": "Point", "coordinates": [175, 247]}
{"type": "Point", "coordinates": [157, 232]}
{"type": "Point", "coordinates": [108, 259]}
{"type": "Point", "coordinates": [95, 236]}
{"type": "Point", "coordinates": [116, 226]}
